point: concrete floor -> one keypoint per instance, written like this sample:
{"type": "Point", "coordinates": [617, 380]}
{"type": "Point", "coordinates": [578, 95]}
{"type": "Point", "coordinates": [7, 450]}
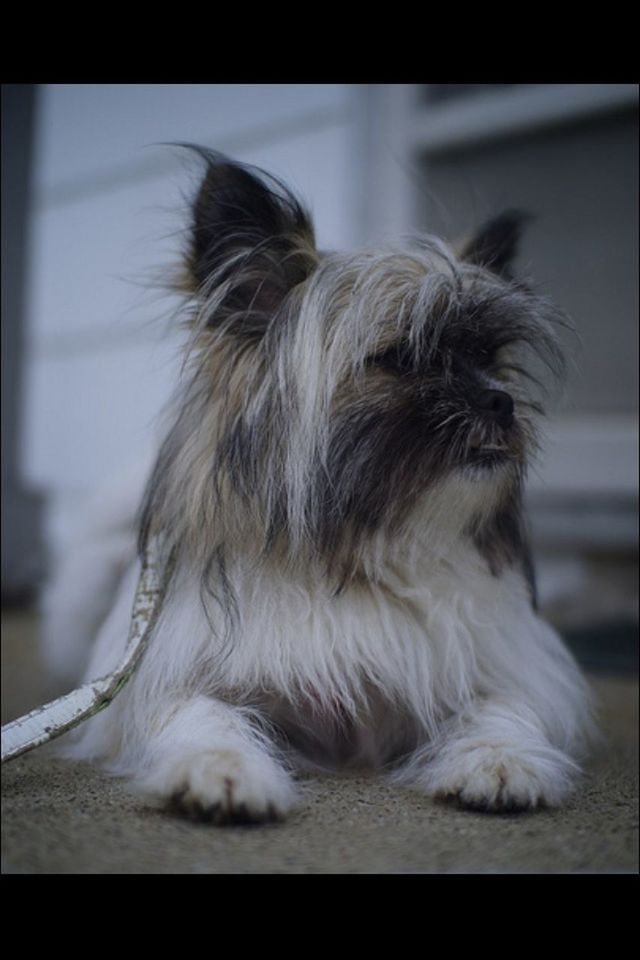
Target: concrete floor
{"type": "Point", "coordinates": [60, 817]}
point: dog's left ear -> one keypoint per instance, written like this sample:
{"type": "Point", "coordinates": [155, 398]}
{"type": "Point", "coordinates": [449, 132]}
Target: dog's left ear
{"type": "Point", "coordinates": [251, 243]}
{"type": "Point", "coordinates": [495, 244]}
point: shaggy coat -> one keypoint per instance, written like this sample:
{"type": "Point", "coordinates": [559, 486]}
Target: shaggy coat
{"type": "Point", "coordinates": [340, 488]}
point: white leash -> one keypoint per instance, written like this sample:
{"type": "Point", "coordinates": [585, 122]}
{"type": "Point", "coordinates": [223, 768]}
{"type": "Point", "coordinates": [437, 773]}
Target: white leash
{"type": "Point", "coordinates": [53, 719]}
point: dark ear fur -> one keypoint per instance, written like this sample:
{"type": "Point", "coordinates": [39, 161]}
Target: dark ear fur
{"type": "Point", "coordinates": [249, 237]}
{"type": "Point", "coordinates": [495, 244]}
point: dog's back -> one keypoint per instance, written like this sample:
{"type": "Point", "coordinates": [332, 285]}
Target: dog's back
{"type": "Point", "coordinates": [86, 577]}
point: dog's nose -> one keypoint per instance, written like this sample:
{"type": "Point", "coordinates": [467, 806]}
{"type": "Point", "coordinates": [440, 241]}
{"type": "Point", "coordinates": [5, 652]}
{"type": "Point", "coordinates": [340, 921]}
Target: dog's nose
{"type": "Point", "coordinates": [497, 404]}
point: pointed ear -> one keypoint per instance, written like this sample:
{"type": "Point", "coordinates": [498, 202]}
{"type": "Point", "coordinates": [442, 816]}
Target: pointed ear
{"type": "Point", "coordinates": [251, 244]}
{"type": "Point", "coordinates": [495, 244]}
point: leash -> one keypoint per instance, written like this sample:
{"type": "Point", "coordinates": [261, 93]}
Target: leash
{"type": "Point", "coordinates": [57, 717]}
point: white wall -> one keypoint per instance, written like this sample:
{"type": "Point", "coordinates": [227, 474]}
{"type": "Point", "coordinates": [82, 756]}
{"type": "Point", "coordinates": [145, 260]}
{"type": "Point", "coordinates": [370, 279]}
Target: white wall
{"type": "Point", "coordinates": [109, 207]}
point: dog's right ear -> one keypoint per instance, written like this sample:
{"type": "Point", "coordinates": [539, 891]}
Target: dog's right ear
{"type": "Point", "coordinates": [495, 244]}
{"type": "Point", "coordinates": [251, 243]}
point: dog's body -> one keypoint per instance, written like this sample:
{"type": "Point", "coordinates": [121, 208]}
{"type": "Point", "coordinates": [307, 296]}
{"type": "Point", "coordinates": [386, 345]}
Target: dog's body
{"type": "Point", "coordinates": [341, 493]}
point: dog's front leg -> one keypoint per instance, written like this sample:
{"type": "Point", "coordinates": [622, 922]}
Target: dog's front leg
{"type": "Point", "coordinates": [495, 757]}
{"type": "Point", "coordinates": [210, 760]}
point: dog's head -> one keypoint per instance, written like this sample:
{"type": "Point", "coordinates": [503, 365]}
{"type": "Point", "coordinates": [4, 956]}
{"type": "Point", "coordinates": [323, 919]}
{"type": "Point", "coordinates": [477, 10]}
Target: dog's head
{"type": "Point", "coordinates": [336, 398]}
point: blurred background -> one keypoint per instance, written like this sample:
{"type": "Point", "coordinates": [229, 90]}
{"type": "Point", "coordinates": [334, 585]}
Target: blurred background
{"type": "Point", "coordinates": [92, 213]}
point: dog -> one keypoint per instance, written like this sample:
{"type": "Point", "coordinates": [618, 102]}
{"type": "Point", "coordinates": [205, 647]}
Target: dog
{"type": "Point", "coordinates": [340, 488]}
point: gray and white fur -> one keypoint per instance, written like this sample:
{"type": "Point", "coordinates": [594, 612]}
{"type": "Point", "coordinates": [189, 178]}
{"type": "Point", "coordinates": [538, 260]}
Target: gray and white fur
{"type": "Point", "coordinates": [341, 485]}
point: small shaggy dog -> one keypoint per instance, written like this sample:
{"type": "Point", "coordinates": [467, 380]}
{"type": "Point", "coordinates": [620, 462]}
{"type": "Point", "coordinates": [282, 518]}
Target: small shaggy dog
{"type": "Point", "coordinates": [340, 490]}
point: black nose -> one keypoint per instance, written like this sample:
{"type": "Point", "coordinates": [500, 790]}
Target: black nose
{"type": "Point", "coordinates": [497, 404]}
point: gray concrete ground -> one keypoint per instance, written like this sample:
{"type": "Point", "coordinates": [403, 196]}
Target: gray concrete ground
{"type": "Point", "coordinates": [60, 817]}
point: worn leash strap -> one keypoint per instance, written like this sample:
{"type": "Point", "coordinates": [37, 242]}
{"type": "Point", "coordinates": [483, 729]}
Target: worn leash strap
{"type": "Point", "coordinates": [55, 718]}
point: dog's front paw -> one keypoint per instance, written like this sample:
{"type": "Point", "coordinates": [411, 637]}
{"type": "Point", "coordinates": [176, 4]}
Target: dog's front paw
{"type": "Point", "coordinates": [224, 786]}
{"type": "Point", "coordinates": [501, 777]}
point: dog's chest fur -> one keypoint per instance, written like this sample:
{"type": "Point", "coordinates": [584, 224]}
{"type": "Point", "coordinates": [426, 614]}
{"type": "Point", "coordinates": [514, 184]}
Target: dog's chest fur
{"type": "Point", "coordinates": [356, 676]}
